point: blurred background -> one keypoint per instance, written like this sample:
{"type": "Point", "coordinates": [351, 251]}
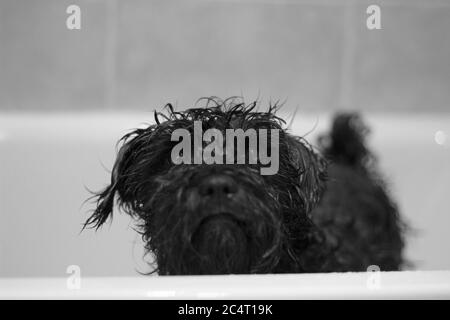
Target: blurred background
{"type": "Point", "coordinates": [66, 96]}
{"type": "Point", "coordinates": [140, 54]}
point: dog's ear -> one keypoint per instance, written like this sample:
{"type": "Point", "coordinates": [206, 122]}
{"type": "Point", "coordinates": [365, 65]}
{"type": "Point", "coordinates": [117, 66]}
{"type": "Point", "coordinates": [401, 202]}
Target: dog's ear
{"type": "Point", "coordinates": [310, 169]}
{"type": "Point", "coordinates": [106, 198]}
{"type": "Point", "coordinates": [143, 155]}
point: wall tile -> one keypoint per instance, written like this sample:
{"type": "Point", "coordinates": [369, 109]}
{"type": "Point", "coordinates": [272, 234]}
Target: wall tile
{"type": "Point", "coordinates": [46, 66]}
{"type": "Point", "coordinates": [179, 51]}
{"type": "Point", "coordinates": [406, 65]}
{"type": "Point", "coordinates": [141, 54]}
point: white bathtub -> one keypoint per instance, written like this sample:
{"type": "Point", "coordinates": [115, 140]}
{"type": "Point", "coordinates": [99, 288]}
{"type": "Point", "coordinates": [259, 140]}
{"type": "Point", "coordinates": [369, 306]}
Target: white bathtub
{"type": "Point", "coordinates": [385, 285]}
{"type": "Point", "coordinates": [47, 159]}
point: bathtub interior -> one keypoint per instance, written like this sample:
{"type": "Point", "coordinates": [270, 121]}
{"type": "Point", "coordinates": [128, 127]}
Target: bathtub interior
{"type": "Point", "coordinates": [48, 161]}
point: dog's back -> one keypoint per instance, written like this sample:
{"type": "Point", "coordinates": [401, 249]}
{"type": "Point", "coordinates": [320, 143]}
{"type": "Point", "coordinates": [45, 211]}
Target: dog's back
{"type": "Point", "coordinates": [359, 220]}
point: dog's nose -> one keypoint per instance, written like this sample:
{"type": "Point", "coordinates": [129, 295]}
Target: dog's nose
{"type": "Point", "coordinates": [218, 186]}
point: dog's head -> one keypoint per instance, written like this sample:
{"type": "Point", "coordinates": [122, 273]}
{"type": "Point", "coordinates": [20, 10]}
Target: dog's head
{"type": "Point", "coordinates": [213, 216]}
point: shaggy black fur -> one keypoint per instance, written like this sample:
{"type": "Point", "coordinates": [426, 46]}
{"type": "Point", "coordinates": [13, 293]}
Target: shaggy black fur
{"type": "Point", "coordinates": [219, 219]}
{"type": "Point", "coordinates": [360, 221]}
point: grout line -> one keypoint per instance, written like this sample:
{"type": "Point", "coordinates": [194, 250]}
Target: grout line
{"type": "Point", "coordinates": [346, 86]}
{"type": "Point", "coordinates": [334, 3]}
{"type": "Point", "coordinates": [111, 55]}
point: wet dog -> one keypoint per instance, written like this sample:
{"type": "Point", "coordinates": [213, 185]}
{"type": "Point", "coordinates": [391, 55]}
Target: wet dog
{"type": "Point", "coordinates": [319, 212]}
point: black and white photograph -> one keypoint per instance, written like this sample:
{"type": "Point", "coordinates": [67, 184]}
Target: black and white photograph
{"type": "Point", "coordinates": [199, 150]}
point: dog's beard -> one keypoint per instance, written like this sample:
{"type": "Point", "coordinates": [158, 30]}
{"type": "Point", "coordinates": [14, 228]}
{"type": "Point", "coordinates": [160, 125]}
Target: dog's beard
{"type": "Point", "coordinates": [221, 242]}
{"type": "Point", "coordinates": [192, 235]}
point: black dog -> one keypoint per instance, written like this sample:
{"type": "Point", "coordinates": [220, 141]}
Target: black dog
{"type": "Point", "coordinates": [221, 219]}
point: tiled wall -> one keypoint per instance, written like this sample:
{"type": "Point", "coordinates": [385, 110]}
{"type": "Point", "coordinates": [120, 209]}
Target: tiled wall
{"type": "Point", "coordinates": [140, 54]}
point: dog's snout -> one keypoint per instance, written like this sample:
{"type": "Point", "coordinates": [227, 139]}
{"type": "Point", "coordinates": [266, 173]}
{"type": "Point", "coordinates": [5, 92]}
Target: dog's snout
{"type": "Point", "coordinates": [218, 186]}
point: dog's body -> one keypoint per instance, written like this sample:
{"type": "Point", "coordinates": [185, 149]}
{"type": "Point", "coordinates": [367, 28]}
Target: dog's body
{"type": "Point", "coordinates": [359, 220]}
{"type": "Point", "coordinates": [228, 218]}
